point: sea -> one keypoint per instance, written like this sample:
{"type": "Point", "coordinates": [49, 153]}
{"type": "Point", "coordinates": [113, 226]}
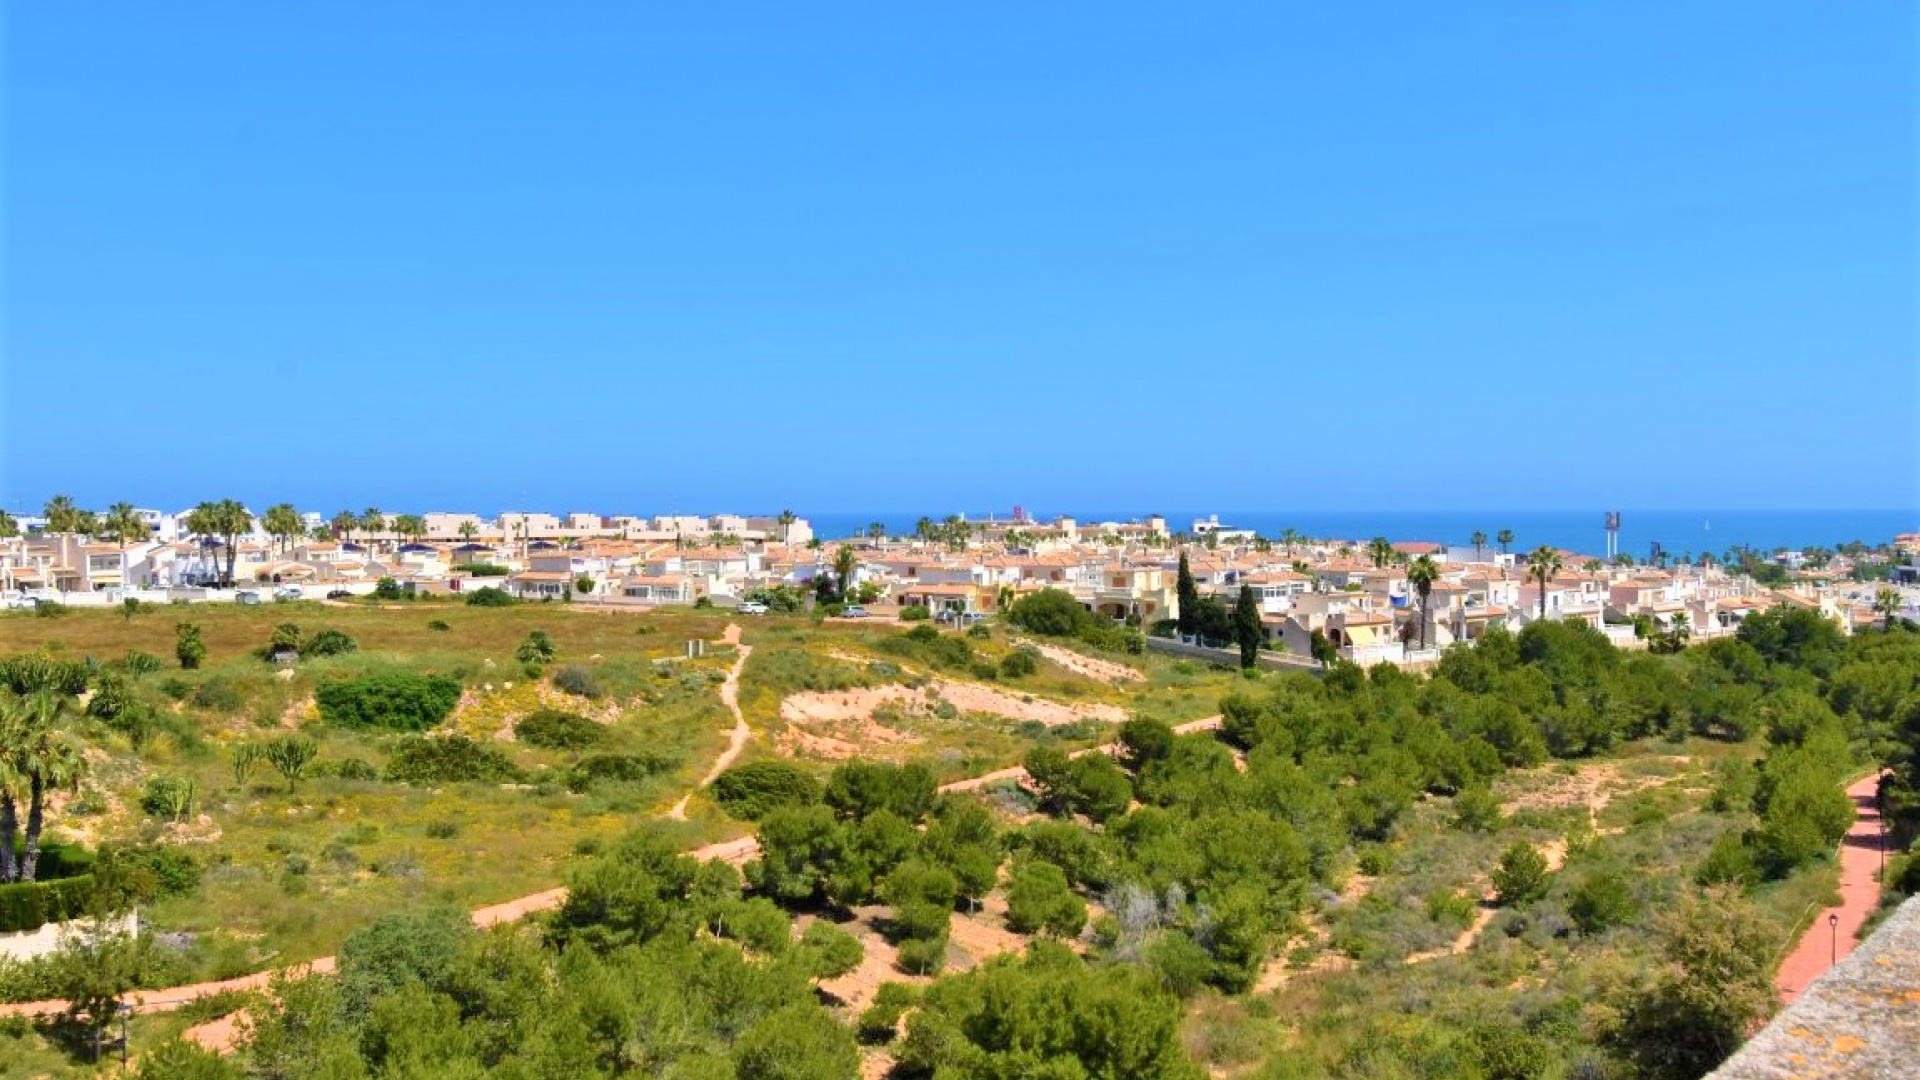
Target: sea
{"type": "Point", "coordinates": [1678, 532]}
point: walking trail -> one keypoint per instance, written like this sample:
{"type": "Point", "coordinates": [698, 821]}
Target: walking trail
{"type": "Point", "coordinates": [730, 697]}
{"type": "Point", "coordinates": [222, 1034]}
{"type": "Point", "coordinates": [1825, 943]}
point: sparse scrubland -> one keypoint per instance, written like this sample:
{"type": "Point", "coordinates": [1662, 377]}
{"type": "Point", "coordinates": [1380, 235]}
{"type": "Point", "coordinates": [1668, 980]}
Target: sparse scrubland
{"type": "Point", "coordinates": [1547, 858]}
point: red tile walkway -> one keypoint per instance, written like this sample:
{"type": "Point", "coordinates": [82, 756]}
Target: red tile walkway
{"type": "Point", "coordinates": [1823, 943]}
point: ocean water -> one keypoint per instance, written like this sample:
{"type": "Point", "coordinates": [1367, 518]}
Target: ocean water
{"type": "Point", "coordinates": [1679, 532]}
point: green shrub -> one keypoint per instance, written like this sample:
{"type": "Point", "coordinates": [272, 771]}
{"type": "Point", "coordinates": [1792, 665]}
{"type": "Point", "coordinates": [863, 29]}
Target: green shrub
{"type": "Point", "coordinates": [1039, 899]}
{"type": "Point", "coordinates": [551, 729]}
{"type": "Point", "coordinates": [137, 663]}
{"type": "Point", "coordinates": [491, 597]}
{"type": "Point", "coordinates": [438, 625]}
{"type": "Point", "coordinates": [392, 701]}
{"type": "Point", "coordinates": [914, 613]}
{"type": "Point", "coordinates": [170, 798]}
{"type": "Point", "coordinates": [347, 769]}
{"type": "Point", "coordinates": [1019, 663]}
{"type": "Point", "coordinates": [1729, 862]}
{"type": "Point", "coordinates": [188, 646]}
{"type": "Point", "coordinates": [450, 760]}
{"type": "Point", "coordinates": [881, 1020]}
{"type": "Point", "coordinates": [218, 694]}
{"type": "Point", "coordinates": [1601, 901]}
{"type": "Point", "coordinates": [386, 589]}
{"type": "Point", "coordinates": [328, 643]}
{"type": "Point", "coordinates": [579, 681]}
{"type": "Point", "coordinates": [537, 649]}
{"type": "Point", "coordinates": [619, 768]}
{"type": "Point", "coordinates": [1521, 876]}
{"type": "Point", "coordinates": [753, 790]}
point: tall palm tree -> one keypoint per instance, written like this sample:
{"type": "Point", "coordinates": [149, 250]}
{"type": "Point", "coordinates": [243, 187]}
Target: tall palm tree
{"type": "Point", "coordinates": [1479, 541]}
{"type": "Point", "coordinates": [45, 756]}
{"type": "Point", "coordinates": [876, 531]}
{"type": "Point", "coordinates": [468, 530]}
{"type": "Point", "coordinates": [1290, 536]}
{"type": "Point", "coordinates": [1542, 566]}
{"type": "Point", "coordinates": [61, 514]}
{"type": "Point", "coordinates": [409, 526]}
{"type": "Point", "coordinates": [123, 525]}
{"type": "Point", "coordinates": [1380, 550]}
{"type": "Point", "coordinates": [13, 780]}
{"type": "Point", "coordinates": [1682, 629]}
{"type": "Point", "coordinates": [845, 562]}
{"type": "Point", "coordinates": [372, 521]}
{"type": "Point", "coordinates": [1421, 575]}
{"type": "Point", "coordinates": [343, 524]}
{"type": "Point", "coordinates": [1505, 537]}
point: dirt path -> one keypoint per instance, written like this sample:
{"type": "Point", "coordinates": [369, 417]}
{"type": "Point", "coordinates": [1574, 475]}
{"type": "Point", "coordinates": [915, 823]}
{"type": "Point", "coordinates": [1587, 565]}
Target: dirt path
{"type": "Point", "coordinates": [730, 697]}
{"type": "Point", "coordinates": [1823, 943]}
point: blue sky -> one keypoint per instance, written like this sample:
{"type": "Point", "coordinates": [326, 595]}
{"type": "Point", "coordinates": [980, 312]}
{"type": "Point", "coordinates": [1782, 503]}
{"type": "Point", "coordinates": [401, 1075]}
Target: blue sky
{"type": "Point", "coordinates": [845, 257]}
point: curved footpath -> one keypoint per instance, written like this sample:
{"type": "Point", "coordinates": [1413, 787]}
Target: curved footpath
{"type": "Point", "coordinates": [1823, 944]}
{"type": "Point", "coordinates": [219, 1034]}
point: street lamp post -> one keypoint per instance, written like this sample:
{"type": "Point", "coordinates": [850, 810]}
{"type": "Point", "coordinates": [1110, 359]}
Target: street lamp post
{"type": "Point", "coordinates": [1833, 938]}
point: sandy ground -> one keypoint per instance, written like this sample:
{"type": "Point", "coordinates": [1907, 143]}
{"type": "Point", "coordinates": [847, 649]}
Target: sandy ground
{"type": "Point", "coordinates": [1079, 664]}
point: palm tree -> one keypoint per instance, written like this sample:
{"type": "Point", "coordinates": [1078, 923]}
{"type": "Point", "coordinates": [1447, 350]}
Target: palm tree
{"type": "Point", "coordinates": [1681, 631]}
{"type": "Point", "coordinates": [411, 526]}
{"type": "Point", "coordinates": [343, 524]}
{"type": "Point", "coordinates": [283, 523]}
{"type": "Point", "coordinates": [1380, 550]}
{"type": "Point", "coordinates": [42, 758]}
{"type": "Point", "coordinates": [1421, 575]}
{"type": "Point", "coordinates": [9, 526]}
{"type": "Point", "coordinates": [1886, 604]}
{"type": "Point", "coordinates": [1290, 536]}
{"type": "Point", "coordinates": [1505, 537]}
{"type": "Point", "coordinates": [468, 530]}
{"type": "Point", "coordinates": [1542, 565]}
{"type": "Point", "coordinates": [122, 524]}
{"type": "Point", "coordinates": [845, 562]}
{"type": "Point", "coordinates": [223, 521]}
{"type": "Point", "coordinates": [1479, 541]}
{"type": "Point", "coordinates": [876, 531]}
{"type": "Point", "coordinates": [13, 781]}
{"type": "Point", "coordinates": [372, 521]}
{"type": "Point", "coordinates": [62, 516]}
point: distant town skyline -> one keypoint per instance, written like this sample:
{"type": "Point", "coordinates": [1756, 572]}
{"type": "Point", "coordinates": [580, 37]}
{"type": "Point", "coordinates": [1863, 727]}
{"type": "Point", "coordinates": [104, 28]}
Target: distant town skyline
{"type": "Point", "coordinates": [1400, 256]}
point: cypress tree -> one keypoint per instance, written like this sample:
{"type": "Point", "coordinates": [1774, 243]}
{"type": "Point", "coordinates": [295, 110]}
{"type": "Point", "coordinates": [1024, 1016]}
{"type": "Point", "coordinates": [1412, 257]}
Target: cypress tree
{"type": "Point", "coordinates": [1189, 599]}
{"type": "Point", "coordinates": [1246, 626]}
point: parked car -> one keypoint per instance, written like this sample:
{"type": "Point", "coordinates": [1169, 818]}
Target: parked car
{"type": "Point", "coordinates": [246, 596]}
{"type": "Point", "coordinates": [339, 594]}
{"type": "Point", "coordinates": [21, 603]}
{"type": "Point", "coordinates": [975, 616]}
{"type": "Point", "coordinates": [288, 592]}
{"type": "Point", "coordinates": [753, 607]}
{"type": "Point", "coordinates": [854, 613]}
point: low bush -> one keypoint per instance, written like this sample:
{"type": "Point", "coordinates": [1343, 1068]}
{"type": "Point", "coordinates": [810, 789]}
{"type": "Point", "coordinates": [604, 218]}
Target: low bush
{"type": "Point", "coordinates": [758, 788]}
{"type": "Point", "coordinates": [1019, 663]}
{"type": "Point", "coordinates": [345, 769]}
{"type": "Point", "coordinates": [328, 643]}
{"type": "Point", "coordinates": [619, 768]}
{"type": "Point", "coordinates": [914, 613]}
{"type": "Point", "coordinates": [392, 701]}
{"type": "Point", "coordinates": [491, 597]}
{"type": "Point", "coordinates": [218, 694]}
{"type": "Point", "coordinates": [551, 729]}
{"type": "Point", "coordinates": [579, 681]}
{"type": "Point", "coordinates": [449, 760]}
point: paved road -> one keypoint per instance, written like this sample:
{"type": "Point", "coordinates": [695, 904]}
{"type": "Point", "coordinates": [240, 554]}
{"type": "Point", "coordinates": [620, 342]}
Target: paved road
{"type": "Point", "coordinates": [1824, 943]}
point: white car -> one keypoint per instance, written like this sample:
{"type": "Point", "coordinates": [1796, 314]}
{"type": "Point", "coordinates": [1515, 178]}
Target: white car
{"type": "Point", "coordinates": [288, 592]}
{"type": "Point", "coordinates": [753, 607]}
